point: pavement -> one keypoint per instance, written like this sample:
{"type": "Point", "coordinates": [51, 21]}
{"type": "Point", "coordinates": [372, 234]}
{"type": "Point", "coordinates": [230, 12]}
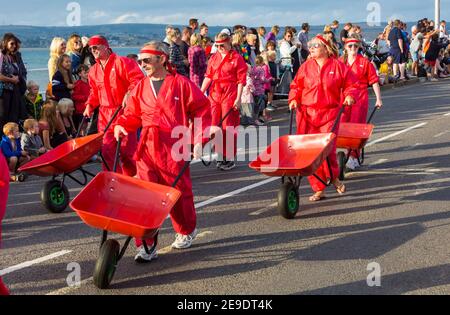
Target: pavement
{"type": "Point", "coordinates": [394, 222]}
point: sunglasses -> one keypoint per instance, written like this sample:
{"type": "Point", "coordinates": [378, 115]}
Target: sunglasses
{"type": "Point", "coordinates": [352, 46]}
{"type": "Point", "coordinates": [92, 48]}
{"type": "Point", "coordinates": [220, 45]}
{"type": "Point", "coordinates": [314, 45]}
{"type": "Point", "coordinates": [147, 60]}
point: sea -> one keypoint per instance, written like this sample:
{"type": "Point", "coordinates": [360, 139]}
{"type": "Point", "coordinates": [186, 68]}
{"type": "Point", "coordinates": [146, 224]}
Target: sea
{"type": "Point", "coordinates": [36, 58]}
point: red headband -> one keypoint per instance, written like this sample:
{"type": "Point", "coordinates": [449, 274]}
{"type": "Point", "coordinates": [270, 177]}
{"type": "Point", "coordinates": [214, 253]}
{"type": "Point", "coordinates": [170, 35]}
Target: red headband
{"type": "Point", "coordinates": [153, 52]}
{"type": "Point", "coordinates": [222, 41]}
{"type": "Point", "coordinates": [97, 40]}
{"type": "Point", "coordinates": [353, 40]}
{"type": "Point", "coordinates": [323, 40]}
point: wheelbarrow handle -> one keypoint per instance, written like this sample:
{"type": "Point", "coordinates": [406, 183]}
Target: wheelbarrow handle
{"type": "Point", "coordinates": [116, 156]}
{"type": "Point", "coordinates": [291, 121]}
{"type": "Point", "coordinates": [112, 119]}
{"type": "Point", "coordinates": [338, 119]}
{"type": "Point", "coordinates": [372, 114]}
{"type": "Point", "coordinates": [185, 167]}
{"type": "Point", "coordinates": [85, 119]}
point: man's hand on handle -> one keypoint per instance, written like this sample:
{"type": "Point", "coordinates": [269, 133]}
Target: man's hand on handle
{"type": "Point", "coordinates": [293, 105]}
{"type": "Point", "coordinates": [349, 101]}
{"type": "Point", "coordinates": [119, 131]}
{"type": "Point", "coordinates": [88, 111]}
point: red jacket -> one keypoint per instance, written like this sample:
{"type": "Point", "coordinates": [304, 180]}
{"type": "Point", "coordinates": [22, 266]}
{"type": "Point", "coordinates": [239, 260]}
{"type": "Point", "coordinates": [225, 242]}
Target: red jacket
{"type": "Point", "coordinates": [234, 69]}
{"type": "Point", "coordinates": [109, 86]}
{"type": "Point", "coordinates": [364, 72]}
{"type": "Point", "coordinates": [322, 88]}
{"type": "Point", "coordinates": [179, 102]}
{"type": "Point", "coordinates": [80, 95]}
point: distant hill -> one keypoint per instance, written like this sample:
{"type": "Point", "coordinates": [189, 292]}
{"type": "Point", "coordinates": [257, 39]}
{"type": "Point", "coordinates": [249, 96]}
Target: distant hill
{"type": "Point", "coordinates": [124, 35]}
{"type": "Point", "coordinates": [117, 34]}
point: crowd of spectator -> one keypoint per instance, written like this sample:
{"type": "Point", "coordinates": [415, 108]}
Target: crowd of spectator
{"type": "Point", "coordinates": [32, 124]}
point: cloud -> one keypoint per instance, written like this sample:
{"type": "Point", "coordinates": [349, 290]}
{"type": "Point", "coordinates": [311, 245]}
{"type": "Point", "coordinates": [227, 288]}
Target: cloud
{"type": "Point", "coordinates": [98, 14]}
{"type": "Point", "coordinates": [127, 18]}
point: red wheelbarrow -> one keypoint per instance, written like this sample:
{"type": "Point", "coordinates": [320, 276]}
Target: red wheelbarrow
{"type": "Point", "coordinates": [120, 204]}
{"type": "Point", "coordinates": [293, 157]}
{"type": "Point", "coordinates": [64, 160]}
{"type": "Point", "coordinates": [353, 138]}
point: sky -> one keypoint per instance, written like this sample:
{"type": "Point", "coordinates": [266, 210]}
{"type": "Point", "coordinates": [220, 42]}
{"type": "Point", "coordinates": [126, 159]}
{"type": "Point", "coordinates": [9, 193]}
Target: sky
{"type": "Point", "coordinates": [214, 12]}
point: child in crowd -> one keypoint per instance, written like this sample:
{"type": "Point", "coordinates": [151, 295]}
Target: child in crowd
{"type": "Point", "coordinates": [12, 149]}
{"type": "Point", "coordinates": [33, 100]}
{"type": "Point", "coordinates": [273, 71]}
{"type": "Point", "coordinates": [247, 102]}
{"type": "Point", "coordinates": [260, 78]}
{"type": "Point", "coordinates": [386, 71]}
{"type": "Point", "coordinates": [51, 128]}
{"type": "Point", "coordinates": [62, 81]}
{"type": "Point", "coordinates": [31, 142]}
{"type": "Point", "coordinates": [66, 110]}
{"type": "Point", "coordinates": [80, 95]}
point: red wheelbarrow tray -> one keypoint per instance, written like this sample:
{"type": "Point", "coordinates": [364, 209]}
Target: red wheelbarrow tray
{"type": "Point", "coordinates": [298, 155]}
{"type": "Point", "coordinates": [125, 205]}
{"type": "Point", "coordinates": [353, 136]}
{"type": "Point", "coordinates": [66, 157]}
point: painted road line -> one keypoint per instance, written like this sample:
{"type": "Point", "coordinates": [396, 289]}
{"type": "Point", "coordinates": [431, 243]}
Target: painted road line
{"type": "Point", "coordinates": [380, 161]}
{"type": "Point", "coordinates": [395, 134]}
{"type": "Point", "coordinates": [161, 251]}
{"type": "Point", "coordinates": [440, 134]}
{"type": "Point", "coordinates": [233, 193]}
{"type": "Point", "coordinates": [265, 209]}
{"type": "Point", "coordinates": [33, 262]}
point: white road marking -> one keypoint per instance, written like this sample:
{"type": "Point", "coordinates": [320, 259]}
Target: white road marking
{"type": "Point", "coordinates": [33, 262]}
{"type": "Point", "coordinates": [380, 161]}
{"type": "Point", "coordinates": [395, 134]}
{"type": "Point", "coordinates": [233, 193]}
{"type": "Point", "coordinates": [261, 211]}
{"type": "Point", "coordinates": [440, 134]}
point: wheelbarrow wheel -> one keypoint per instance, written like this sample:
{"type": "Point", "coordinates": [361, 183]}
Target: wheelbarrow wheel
{"type": "Point", "coordinates": [288, 201]}
{"type": "Point", "coordinates": [106, 264]}
{"type": "Point", "coordinates": [341, 161]}
{"type": "Point", "coordinates": [54, 196]}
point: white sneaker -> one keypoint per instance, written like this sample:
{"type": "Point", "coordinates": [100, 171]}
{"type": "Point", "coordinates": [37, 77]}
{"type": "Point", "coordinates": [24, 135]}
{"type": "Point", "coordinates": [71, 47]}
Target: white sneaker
{"type": "Point", "coordinates": [143, 257]}
{"type": "Point", "coordinates": [351, 165]}
{"type": "Point", "coordinates": [184, 241]}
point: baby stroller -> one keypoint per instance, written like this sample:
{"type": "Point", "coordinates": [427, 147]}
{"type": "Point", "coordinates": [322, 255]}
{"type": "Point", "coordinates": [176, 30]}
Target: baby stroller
{"type": "Point", "coordinates": [284, 83]}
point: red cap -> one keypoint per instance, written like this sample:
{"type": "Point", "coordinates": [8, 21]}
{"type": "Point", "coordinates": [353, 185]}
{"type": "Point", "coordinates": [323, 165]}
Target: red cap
{"type": "Point", "coordinates": [98, 40]}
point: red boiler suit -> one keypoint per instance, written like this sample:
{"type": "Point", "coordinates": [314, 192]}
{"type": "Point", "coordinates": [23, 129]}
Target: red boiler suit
{"type": "Point", "coordinates": [366, 75]}
{"type": "Point", "coordinates": [4, 188]}
{"type": "Point", "coordinates": [318, 93]}
{"type": "Point", "coordinates": [226, 74]}
{"type": "Point", "coordinates": [108, 88]}
{"type": "Point", "coordinates": [179, 101]}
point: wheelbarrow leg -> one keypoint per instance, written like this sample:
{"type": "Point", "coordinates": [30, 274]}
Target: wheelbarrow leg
{"type": "Point", "coordinates": [155, 243]}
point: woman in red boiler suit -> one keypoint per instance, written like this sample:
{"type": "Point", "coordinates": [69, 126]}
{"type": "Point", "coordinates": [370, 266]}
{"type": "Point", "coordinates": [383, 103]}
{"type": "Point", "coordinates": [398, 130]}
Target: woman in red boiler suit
{"type": "Point", "coordinates": [366, 76]}
{"type": "Point", "coordinates": [227, 75]}
{"type": "Point", "coordinates": [316, 93]}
